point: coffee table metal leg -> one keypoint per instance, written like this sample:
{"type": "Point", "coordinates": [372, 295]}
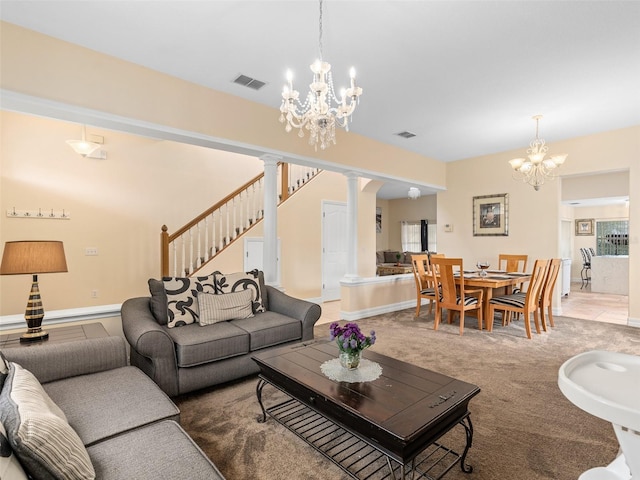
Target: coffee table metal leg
{"type": "Point", "coordinates": [469, 431]}
{"type": "Point", "coordinates": [259, 387]}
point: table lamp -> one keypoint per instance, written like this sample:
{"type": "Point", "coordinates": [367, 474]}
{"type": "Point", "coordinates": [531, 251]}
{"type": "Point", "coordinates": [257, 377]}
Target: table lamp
{"type": "Point", "coordinates": [33, 257]}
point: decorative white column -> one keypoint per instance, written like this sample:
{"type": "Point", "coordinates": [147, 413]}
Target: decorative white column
{"type": "Point", "coordinates": [270, 221]}
{"type": "Point", "coordinates": [352, 226]}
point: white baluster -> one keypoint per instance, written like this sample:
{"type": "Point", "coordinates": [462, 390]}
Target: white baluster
{"type": "Point", "coordinates": [235, 228]}
{"type": "Point", "coordinates": [248, 202]}
{"type": "Point", "coordinates": [175, 258]}
{"type": "Point", "coordinates": [190, 252]}
{"type": "Point", "coordinates": [183, 256]}
{"type": "Point", "coordinates": [213, 234]}
{"type": "Point", "coordinates": [199, 259]}
{"type": "Point", "coordinates": [227, 211]}
{"type": "Point", "coordinates": [207, 252]}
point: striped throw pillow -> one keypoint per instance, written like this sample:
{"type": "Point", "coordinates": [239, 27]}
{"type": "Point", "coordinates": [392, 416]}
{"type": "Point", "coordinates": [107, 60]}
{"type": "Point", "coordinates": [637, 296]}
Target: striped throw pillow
{"type": "Point", "coordinates": [38, 431]}
{"type": "Point", "coordinates": [220, 307]}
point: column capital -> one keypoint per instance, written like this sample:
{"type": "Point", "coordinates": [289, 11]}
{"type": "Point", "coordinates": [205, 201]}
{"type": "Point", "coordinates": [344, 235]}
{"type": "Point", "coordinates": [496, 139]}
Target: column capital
{"type": "Point", "coordinates": [351, 175]}
{"type": "Point", "coordinates": [270, 159]}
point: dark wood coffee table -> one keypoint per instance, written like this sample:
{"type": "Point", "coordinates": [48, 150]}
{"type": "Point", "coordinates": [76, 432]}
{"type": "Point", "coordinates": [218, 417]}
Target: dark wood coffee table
{"type": "Point", "coordinates": [373, 430]}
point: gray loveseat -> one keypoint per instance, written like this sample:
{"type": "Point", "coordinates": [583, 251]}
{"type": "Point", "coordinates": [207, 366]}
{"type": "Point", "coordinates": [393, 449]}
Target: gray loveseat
{"type": "Point", "coordinates": [190, 357]}
{"type": "Point", "coordinates": [124, 423]}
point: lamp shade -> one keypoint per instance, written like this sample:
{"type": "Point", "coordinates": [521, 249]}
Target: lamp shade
{"type": "Point", "coordinates": [33, 257]}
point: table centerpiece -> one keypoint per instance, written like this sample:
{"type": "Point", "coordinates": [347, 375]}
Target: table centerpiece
{"type": "Point", "coordinates": [351, 342]}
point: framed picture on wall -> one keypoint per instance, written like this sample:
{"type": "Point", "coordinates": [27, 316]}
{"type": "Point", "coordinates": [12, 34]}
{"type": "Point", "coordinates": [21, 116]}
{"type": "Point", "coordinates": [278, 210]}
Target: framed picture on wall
{"type": "Point", "coordinates": [491, 215]}
{"type": "Point", "coordinates": [584, 226]}
{"type": "Point", "coordinates": [378, 220]}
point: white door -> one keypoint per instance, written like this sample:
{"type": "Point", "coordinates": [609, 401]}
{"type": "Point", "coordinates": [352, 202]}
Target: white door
{"type": "Point", "coordinates": [254, 255]}
{"type": "Point", "coordinates": [334, 248]}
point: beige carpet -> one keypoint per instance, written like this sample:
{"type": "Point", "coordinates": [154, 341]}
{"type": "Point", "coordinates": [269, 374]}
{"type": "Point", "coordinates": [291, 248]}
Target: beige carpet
{"type": "Point", "coordinates": [524, 428]}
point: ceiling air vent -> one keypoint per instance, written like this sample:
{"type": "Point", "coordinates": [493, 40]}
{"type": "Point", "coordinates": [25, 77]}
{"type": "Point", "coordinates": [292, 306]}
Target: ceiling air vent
{"type": "Point", "coordinates": [406, 134]}
{"type": "Point", "coordinates": [249, 82]}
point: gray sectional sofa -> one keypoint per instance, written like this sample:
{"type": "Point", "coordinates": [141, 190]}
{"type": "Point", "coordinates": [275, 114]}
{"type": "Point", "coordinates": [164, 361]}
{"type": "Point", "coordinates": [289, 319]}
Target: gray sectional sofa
{"type": "Point", "coordinates": [196, 355]}
{"type": "Point", "coordinates": [98, 418]}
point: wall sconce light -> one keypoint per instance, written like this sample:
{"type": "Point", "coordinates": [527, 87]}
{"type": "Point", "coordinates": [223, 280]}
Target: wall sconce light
{"type": "Point", "coordinates": [83, 147]}
{"type": "Point", "coordinates": [414, 193]}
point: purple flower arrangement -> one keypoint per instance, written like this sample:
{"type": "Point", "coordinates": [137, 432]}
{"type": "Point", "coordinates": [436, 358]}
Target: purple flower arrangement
{"type": "Point", "coordinates": [349, 338]}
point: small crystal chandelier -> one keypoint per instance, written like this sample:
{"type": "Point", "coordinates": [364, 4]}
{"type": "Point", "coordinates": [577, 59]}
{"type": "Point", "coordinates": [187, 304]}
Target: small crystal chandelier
{"type": "Point", "coordinates": [536, 169]}
{"type": "Point", "coordinates": [323, 109]}
{"type": "Point", "coordinates": [413, 193]}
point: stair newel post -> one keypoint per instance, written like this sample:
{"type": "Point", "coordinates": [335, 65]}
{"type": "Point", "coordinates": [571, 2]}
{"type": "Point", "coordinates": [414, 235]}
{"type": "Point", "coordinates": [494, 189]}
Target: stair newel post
{"type": "Point", "coordinates": [164, 252]}
{"type": "Point", "coordinates": [284, 177]}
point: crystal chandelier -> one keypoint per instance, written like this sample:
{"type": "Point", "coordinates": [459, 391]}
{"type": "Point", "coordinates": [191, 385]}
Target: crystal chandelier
{"type": "Point", "coordinates": [322, 109]}
{"type": "Point", "coordinates": [536, 169]}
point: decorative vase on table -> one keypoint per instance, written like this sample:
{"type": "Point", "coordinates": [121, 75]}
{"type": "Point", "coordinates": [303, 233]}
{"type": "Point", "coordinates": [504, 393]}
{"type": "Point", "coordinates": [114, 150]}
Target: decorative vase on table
{"type": "Point", "coordinates": [350, 360]}
{"type": "Point", "coordinates": [351, 342]}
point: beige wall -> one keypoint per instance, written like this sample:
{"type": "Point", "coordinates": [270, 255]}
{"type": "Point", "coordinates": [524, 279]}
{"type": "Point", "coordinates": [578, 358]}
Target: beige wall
{"type": "Point", "coordinates": [117, 205]}
{"type": "Point", "coordinates": [403, 209]}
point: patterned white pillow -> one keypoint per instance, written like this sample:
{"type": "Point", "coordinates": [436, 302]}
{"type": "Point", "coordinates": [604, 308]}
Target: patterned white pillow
{"type": "Point", "coordinates": [182, 300]}
{"type": "Point", "coordinates": [38, 431]}
{"type": "Point", "coordinates": [233, 282]}
{"type": "Point", "coordinates": [220, 307]}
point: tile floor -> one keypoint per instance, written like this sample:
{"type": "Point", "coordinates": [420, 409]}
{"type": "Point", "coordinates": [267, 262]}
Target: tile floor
{"type": "Point", "coordinates": [578, 304]}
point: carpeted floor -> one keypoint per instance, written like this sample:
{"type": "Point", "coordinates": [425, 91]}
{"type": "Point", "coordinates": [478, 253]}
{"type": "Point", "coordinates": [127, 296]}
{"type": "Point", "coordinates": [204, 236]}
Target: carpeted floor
{"type": "Point", "coordinates": [524, 428]}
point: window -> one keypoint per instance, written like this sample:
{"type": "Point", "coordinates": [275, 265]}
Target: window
{"type": "Point", "coordinates": [418, 236]}
{"type": "Point", "coordinates": [612, 237]}
{"type": "Point", "coordinates": [410, 237]}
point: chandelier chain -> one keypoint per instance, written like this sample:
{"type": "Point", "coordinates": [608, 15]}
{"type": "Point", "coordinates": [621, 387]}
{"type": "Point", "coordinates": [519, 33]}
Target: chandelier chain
{"type": "Point", "coordinates": [320, 32]}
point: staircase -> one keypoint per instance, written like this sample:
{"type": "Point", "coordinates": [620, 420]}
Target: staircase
{"type": "Point", "coordinates": [198, 242]}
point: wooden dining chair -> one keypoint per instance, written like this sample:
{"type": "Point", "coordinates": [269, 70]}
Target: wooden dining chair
{"type": "Point", "coordinates": [525, 303]}
{"type": "Point", "coordinates": [424, 281]}
{"type": "Point", "coordinates": [455, 298]}
{"type": "Point", "coordinates": [513, 263]}
{"type": "Point", "coordinates": [546, 295]}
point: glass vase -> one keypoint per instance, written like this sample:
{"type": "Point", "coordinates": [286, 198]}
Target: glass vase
{"type": "Point", "coordinates": [350, 361]}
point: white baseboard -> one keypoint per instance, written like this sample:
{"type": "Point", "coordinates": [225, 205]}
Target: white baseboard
{"type": "Point", "coordinates": [370, 312]}
{"type": "Point", "coordinates": [53, 317]}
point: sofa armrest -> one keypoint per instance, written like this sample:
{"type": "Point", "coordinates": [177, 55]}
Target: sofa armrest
{"type": "Point", "coordinates": [307, 312]}
{"type": "Point", "coordinates": [55, 361]}
{"type": "Point", "coordinates": [153, 350]}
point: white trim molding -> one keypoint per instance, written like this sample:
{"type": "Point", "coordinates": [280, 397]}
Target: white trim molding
{"type": "Point", "coordinates": [54, 317]}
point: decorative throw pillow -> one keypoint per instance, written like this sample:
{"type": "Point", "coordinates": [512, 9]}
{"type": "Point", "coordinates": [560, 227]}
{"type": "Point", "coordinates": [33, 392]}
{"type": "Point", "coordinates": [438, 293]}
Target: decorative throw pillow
{"type": "Point", "coordinates": [10, 467]}
{"type": "Point", "coordinates": [38, 431]}
{"type": "Point", "coordinates": [218, 307]}
{"type": "Point", "coordinates": [233, 282]}
{"type": "Point", "coordinates": [158, 302]}
{"type": "Point", "coordinates": [181, 298]}
{"type": "Point", "coordinates": [4, 370]}
{"type": "Point", "coordinates": [390, 256]}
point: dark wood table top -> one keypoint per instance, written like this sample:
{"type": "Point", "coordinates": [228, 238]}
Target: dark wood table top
{"type": "Point", "coordinates": [403, 411]}
{"type": "Point", "coordinates": [57, 335]}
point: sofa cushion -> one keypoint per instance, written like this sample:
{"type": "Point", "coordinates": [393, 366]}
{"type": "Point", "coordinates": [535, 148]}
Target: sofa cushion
{"type": "Point", "coordinates": [46, 445]}
{"type": "Point", "coordinates": [253, 280]}
{"type": "Point", "coordinates": [196, 345]}
{"type": "Point", "coordinates": [111, 408]}
{"type": "Point", "coordinates": [160, 451]}
{"type": "Point", "coordinates": [379, 257]}
{"type": "Point", "coordinates": [270, 328]}
{"type": "Point", "coordinates": [390, 256]}
{"type": "Point", "coordinates": [10, 467]}
{"type": "Point", "coordinates": [181, 298]}
{"type": "Point", "coordinates": [158, 302]}
{"type": "Point", "coordinates": [219, 307]}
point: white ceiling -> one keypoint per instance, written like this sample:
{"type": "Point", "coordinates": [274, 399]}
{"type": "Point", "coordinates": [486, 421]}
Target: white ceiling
{"type": "Point", "coordinates": [464, 76]}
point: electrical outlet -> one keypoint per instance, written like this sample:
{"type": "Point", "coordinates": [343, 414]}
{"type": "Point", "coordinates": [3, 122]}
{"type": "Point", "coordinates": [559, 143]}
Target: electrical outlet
{"type": "Point", "coordinates": [91, 251]}
{"type": "Point", "coordinates": [94, 293]}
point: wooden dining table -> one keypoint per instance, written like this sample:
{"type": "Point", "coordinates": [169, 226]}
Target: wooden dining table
{"type": "Point", "coordinates": [494, 280]}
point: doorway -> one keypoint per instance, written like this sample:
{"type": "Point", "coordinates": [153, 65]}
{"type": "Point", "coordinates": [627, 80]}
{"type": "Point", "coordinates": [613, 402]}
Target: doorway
{"type": "Point", "coordinates": [334, 248]}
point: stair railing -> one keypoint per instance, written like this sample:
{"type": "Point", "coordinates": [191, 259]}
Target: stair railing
{"type": "Point", "coordinates": [191, 246]}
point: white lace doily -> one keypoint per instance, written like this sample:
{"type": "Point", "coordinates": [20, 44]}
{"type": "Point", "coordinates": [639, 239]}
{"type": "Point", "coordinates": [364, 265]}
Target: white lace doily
{"type": "Point", "coordinates": [367, 371]}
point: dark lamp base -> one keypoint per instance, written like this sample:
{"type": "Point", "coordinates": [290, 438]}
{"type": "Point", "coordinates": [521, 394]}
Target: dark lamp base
{"type": "Point", "coordinates": [34, 336]}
